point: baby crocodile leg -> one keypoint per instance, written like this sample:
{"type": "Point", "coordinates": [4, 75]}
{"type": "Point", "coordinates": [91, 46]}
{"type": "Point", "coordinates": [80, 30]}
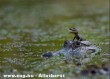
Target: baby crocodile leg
{"type": "Point", "coordinates": [76, 35]}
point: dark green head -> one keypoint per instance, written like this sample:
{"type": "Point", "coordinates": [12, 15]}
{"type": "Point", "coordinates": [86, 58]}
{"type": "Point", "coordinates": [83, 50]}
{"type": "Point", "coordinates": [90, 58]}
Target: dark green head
{"type": "Point", "coordinates": [73, 30]}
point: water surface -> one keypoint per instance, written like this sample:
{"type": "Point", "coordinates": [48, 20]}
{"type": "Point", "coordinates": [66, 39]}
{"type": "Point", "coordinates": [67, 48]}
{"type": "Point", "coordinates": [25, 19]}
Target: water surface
{"type": "Point", "coordinates": [31, 28]}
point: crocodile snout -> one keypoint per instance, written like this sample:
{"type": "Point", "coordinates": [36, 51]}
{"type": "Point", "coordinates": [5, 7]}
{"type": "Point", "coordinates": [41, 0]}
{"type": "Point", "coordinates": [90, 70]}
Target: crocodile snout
{"type": "Point", "coordinates": [47, 55]}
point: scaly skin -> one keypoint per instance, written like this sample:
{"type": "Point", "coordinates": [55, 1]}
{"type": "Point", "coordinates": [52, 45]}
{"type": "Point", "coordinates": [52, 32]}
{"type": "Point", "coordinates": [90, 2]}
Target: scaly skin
{"type": "Point", "coordinates": [78, 52]}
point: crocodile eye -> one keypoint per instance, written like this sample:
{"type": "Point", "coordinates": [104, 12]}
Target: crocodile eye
{"type": "Point", "coordinates": [91, 50]}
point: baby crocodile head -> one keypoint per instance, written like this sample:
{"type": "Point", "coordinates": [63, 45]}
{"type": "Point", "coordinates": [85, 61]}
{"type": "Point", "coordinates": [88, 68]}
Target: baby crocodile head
{"type": "Point", "coordinates": [73, 30]}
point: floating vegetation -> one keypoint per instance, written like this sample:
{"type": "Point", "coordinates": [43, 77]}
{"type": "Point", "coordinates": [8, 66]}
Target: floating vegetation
{"type": "Point", "coordinates": [30, 28]}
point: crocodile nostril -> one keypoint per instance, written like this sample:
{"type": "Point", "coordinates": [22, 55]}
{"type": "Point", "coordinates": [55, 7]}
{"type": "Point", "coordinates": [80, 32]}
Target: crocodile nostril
{"type": "Point", "coordinates": [48, 55]}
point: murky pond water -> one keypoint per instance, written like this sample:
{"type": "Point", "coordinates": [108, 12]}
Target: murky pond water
{"type": "Point", "coordinates": [29, 29]}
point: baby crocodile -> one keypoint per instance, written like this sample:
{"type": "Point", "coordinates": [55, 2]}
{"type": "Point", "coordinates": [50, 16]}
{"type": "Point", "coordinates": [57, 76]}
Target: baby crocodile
{"type": "Point", "coordinates": [76, 34]}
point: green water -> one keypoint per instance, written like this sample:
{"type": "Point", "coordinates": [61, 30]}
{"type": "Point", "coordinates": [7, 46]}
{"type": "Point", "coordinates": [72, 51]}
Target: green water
{"type": "Point", "coordinates": [33, 27]}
